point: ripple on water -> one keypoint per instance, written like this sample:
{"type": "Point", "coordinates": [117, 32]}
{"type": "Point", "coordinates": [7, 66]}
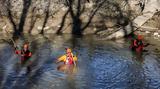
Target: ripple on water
{"type": "Point", "coordinates": [101, 65]}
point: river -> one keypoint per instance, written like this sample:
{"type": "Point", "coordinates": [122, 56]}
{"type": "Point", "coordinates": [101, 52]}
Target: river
{"type": "Point", "coordinates": [101, 65]}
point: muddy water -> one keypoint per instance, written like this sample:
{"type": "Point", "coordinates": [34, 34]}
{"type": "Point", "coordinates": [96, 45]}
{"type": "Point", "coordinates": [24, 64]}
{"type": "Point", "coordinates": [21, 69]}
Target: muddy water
{"type": "Point", "coordinates": [101, 65]}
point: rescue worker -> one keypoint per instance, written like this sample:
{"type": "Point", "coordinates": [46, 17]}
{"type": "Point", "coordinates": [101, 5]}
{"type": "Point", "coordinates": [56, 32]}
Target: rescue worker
{"type": "Point", "coordinates": [68, 58]}
{"type": "Point", "coordinates": [69, 62]}
{"type": "Point", "coordinates": [25, 55]}
{"type": "Point", "coordinates": [132, 37]}
{"type": "Point", "coordinates": [138, 44]}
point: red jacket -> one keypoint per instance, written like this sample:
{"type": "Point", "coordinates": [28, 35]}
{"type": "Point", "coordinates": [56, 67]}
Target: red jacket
{"type": "Point", "coordinates": [25, 55]}
{"type": "Point", "coordinates": [138, 44]}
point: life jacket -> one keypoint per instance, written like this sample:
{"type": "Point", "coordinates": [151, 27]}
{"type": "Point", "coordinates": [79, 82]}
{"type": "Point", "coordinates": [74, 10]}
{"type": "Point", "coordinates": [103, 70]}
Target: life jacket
{"type": "Point", "coordinates": [25, 55]}
{"type": "Point", "coordinates": [63, 58]}
{"type": "Point", "coordinates": [139, 42]}
{"type": "Point", "coordinates": [138, 45]}
{"type": "Point", "coordinates": [69, 59]}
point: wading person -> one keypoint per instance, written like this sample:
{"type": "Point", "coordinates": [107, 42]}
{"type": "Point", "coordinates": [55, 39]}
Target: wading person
{"type": "Point", "coordinates": [136, 42]}
{"type": "Point", "coordinates": [68, 58]}
{"type": "Point", "coordinates": [25, 56]}
{"type": "Point", "coordinates": [137, 46]}
{"type": "Point", "coordinates": [69, 61]}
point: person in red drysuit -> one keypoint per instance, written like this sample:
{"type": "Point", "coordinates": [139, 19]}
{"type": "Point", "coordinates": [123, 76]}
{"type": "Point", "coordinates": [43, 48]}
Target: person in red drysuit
{"type": "Point", "coordinates": [25, 55]}
{"type": "Point", "coordinates": [138, 44]}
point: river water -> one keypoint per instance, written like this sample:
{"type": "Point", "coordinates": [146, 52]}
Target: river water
{"type": "Point", "coordinates": [101, 65]}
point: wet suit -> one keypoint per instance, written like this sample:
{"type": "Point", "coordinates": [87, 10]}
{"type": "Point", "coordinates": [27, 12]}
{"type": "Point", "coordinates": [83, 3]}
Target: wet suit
{"type": "Point", "coordinates": [136, 42]}
{"type": "Point", "coordinates": [132, 37]}
{"type": "Point", "coordinates": [138, 45]}
{"type": "Point", "coordinates": [25, 57]}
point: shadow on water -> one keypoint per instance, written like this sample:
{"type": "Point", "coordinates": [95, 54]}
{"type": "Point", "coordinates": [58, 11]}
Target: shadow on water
{"type": "Point", "coordinates": [101, 65]}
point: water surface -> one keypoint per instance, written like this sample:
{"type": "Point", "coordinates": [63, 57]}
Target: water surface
{"type": "Point", "coordinates": [101, 65]}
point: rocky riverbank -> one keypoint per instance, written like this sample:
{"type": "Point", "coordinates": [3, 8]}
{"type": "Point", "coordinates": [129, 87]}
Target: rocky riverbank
{"type": "Point", "coordinates": [107, 19]}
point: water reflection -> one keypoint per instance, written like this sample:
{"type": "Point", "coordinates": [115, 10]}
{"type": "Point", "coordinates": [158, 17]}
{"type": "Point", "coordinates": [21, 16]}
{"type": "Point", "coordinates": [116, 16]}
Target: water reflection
{"type": "Point", "coordinates": [69, 69]}
{"type": "Point", "coordinates": [137, 56]}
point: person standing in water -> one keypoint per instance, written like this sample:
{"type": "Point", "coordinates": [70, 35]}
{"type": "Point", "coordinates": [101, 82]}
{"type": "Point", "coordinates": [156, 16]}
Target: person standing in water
{"type": "Point", "coordinates": [136, 43]}
{"type": "Point", "coordinates": [25, 56]}
{"type": "Point", "coordinates": [70, 62]}
{"type": "Point", "coordinates": [137, 46]}
{"type": "Point", "coordinates": [68, 58]}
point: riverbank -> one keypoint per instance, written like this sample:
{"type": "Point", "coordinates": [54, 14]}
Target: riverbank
{"type": "Point", "coordinates": [109, 19]}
